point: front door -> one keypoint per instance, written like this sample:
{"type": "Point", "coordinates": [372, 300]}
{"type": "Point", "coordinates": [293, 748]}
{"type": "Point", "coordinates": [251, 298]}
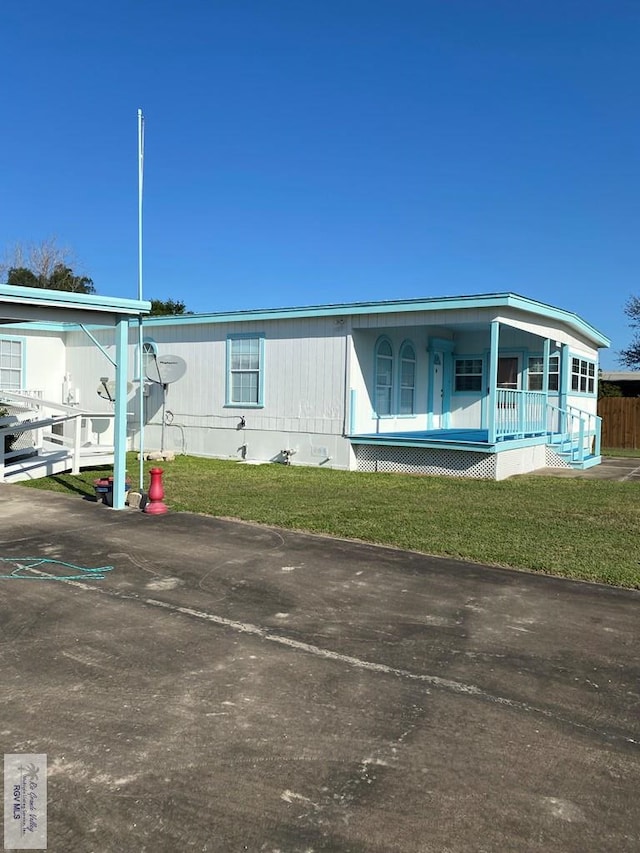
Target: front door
{"type": "Point", "coordinates": [437, 368]}
{"type": "Point", "coordinates": [508, 372]}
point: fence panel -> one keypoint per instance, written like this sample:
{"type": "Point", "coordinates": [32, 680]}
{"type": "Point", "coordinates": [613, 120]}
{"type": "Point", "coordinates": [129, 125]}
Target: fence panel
{"type": "Point", "coordinates": [620, 422]}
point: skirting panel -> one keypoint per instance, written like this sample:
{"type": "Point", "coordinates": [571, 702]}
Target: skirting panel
{"type": "Point", "coordinates": [425, 460]}
{"type": "Point", "coordinates": [554, 460]}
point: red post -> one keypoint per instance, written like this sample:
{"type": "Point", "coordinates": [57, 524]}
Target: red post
{"type": "Point", "coordinates": [155, 506]}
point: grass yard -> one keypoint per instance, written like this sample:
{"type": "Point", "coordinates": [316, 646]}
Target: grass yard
{"type": "Point", "coordinates": [584, 529]}
{"type": "Point", "coordinates": [621, 451]}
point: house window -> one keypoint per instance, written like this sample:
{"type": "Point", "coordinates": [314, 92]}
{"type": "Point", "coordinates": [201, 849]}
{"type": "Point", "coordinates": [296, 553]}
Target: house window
{"type": "Point", "coordinates": [407, 379]}
{"type": "Point", "coordinates": [245, 363]}
{"type": "Point", "coordinates": [536, 372]}
{"type": "Point", "coordinates": [384, 377]}
{"type": "Point", "coordinates": [149, 355]}
{"type": "Point", "coordinates": [468, 374]}
{"type": "Point", "coordinates": [583, 376]}
{"type": "Point", "coordinates": [10, 364]}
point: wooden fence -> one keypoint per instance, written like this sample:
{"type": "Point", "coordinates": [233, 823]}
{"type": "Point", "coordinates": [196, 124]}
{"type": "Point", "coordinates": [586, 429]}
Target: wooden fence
{"type": "Point", "coordinates": [620, 422]}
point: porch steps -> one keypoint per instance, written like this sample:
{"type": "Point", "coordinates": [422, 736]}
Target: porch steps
{"type": "Point", "coordinates": [567, 448]}
{"type": "Point", "coordinates": [54, 459]}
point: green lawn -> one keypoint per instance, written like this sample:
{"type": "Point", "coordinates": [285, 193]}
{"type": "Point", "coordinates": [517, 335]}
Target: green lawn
{"type": "Point", "coordinates": [620, 451]}
{"type": "Point", "coordinates": [575, 528]}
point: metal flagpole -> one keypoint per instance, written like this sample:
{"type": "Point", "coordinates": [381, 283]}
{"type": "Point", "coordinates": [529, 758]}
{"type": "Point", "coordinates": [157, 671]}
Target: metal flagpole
{"type": "Point", "coordinates": [140, 337]}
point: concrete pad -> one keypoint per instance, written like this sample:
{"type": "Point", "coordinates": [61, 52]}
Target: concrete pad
{"type": "Point", "coordinates": [227, 686]}
{"type": "Point", "coordinates": [611, 468]}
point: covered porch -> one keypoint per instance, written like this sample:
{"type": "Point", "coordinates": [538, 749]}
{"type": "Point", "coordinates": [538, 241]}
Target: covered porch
{"type": "Point", "coordinates": [505, 389]}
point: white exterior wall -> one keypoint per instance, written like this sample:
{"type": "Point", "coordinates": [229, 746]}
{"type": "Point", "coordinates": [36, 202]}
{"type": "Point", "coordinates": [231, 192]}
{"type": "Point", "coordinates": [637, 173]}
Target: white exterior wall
{"type": "Point", "coordinates": [362, 379]}
{"type": "Point", "coordinates": [311, 367]}
{"type": "Point", "coordinates": [304, 390]}
{"type": "Point", "coordinates": [44, 361]}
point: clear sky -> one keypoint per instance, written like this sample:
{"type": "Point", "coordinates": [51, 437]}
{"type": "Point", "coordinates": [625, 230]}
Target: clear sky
{"type": "Point", "coordinates": [315, 151]}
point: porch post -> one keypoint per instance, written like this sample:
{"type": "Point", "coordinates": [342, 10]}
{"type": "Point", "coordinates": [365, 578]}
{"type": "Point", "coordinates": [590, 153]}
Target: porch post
{"type": "Point", "coordinates": [493, 380]}
{"type": "Point", "coordinates": [545, 379]}
{"type": "Point", "coordinates": [565, 380]}
{"type": "Point", "coordinates": [120, 423]}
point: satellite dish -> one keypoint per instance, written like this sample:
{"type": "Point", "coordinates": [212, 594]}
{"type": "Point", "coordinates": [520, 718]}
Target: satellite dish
{"type": "Point", "coordinates": [165, 369]}
{"type": "Point", "coordinates": [107, 389]}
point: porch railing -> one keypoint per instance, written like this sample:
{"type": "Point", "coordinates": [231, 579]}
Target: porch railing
{"type": "Point", "coordinates": [32, 405]}
{"type": "Point", "coordinates": [520, 413]}
{"type": "Point", "coordinates": [578, 432]}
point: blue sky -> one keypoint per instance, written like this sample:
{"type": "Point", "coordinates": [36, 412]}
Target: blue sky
{"type": "Point", "coordinates": [318, 151]}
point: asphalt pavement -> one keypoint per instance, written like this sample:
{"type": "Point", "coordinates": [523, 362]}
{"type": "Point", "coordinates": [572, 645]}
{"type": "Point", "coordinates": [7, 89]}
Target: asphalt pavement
{"type": "Point", "coordinates": [222, 686]}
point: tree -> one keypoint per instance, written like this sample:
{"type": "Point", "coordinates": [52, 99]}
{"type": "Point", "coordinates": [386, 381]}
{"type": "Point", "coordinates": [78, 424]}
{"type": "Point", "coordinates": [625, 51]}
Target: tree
{"type": "Point", "coordinates": [630, 357]}
{"type": "Point", "coordinates": [44, 265]}
{"type": "Point", "coordinates": [168, 306]}
{"type": "Point", "coordinates": [607, 389]}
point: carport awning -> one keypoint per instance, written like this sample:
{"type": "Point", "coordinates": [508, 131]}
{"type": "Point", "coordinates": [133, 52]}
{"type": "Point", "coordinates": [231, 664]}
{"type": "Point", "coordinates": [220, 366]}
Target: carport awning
{"type": "Point", "coordinates": [37, 305]}
{"type": "Point", "coordinates": [33, 304]}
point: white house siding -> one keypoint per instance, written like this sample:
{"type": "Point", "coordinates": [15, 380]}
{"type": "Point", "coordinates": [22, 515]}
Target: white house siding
{"type": "Point", "coordinates": [362, 378]}
{"type": "Point", "coordinates": [304, 390]}
{"type": "Point", "coordinates": [44, 361]}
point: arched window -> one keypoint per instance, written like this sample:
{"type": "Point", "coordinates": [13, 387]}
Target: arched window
{"type": "Point", "coordinates": [149, 353]}
{"type": "Point", "coordinates": [407, 379]}
{"type": "Point", "coordinates": [384, 377]}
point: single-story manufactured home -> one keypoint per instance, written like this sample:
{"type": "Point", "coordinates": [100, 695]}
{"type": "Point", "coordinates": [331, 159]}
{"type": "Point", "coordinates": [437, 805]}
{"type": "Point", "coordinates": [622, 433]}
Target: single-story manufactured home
{"type": "Point", "coordinates": [476, 386]}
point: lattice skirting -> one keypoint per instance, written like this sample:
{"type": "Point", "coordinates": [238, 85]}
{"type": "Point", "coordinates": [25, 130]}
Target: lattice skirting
{"type": "Point", "coordinates": [554, 460]}
{"type": "Point", "coordinates": [425, 460]}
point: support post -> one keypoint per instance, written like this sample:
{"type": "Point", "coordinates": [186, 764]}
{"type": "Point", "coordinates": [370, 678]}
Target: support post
{"type": "Point", "coordinates": [565, 377]}
{"type": "Point", "coordinates": [120, 423]}
{"type": "Point", "coordinates": [493, 381]}
{"type": "Point", "coordinates": [77, 443]}
{"type": "Point", "coordinates": [545, 379]}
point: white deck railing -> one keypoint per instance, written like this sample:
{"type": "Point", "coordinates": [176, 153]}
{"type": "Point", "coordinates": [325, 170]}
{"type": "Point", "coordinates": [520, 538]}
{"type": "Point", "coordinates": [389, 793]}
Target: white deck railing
{"type": "Point", "coordinates": [44, 414]}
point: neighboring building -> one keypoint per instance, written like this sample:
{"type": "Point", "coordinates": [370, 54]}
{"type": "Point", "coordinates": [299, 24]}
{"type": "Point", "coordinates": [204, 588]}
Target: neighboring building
{"type": "Point", "coordinates": [476, 386]}
{"type": "Point", "coordinates": [628, 381]}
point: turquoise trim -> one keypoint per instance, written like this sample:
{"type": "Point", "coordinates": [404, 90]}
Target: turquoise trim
{"type": "Point", "coordinates": [353, 397]}
{"type": "Point", "coordinates": [260, 337]}
{"type": "Point", "coordinates": [448, 303]}
{"type": "Point", "coordinates": [120, 422]}
{"type": "Point", "coordinates": [98, 344]}
{"type": "Point", "coordinates": [565, 366]}
{"type": "Point", "coordinates": [490, 300]}
{"type": "Point", "coordinates": [430, 392]}
{"type": "Point", "coordinates": [478, 447]}
{"type": "Point", "coordinates": [546, 354]}
{"type": "Point", "coordinates": [493, 379]}
{"type": "Point", "coordinates": [46, 297]}
{"type": "Point", "coordinates": [447, 383]}
{"type": "Point", "coordinates": [23, 357]}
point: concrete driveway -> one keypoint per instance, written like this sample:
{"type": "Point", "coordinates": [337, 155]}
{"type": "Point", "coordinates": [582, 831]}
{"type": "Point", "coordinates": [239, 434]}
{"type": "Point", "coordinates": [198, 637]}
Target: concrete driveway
{"type": "Point", "coordinates": [229, 687]}
{"type": "Point", "coordinates": [619, 468]}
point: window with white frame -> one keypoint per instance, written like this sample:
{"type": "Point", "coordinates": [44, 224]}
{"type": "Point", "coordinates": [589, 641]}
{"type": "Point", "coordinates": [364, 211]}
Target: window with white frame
{"type": "Point", "coordinates": [149, 354]}
{"type": "Point", "coordinates": [10, 364]}
{"type": "Point", "coordinates": [583, 376]}
{"type": "Point", "coordinates": [407, 379]}
{"type": "Point", "coordinates": [245, 370]}
{"type": "Point", "coordinates": [384, 377]}
{"type": "Point", "coordinates": [468, 374]}
{"type": "Point", "coordinates": [535, 373]}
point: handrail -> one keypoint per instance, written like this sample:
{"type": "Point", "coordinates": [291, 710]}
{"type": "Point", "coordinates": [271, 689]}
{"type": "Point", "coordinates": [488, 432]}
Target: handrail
{"type": "Point", "coordinates": [573, 417]}
{"type": "Point", "coordinates": [37, 425]}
